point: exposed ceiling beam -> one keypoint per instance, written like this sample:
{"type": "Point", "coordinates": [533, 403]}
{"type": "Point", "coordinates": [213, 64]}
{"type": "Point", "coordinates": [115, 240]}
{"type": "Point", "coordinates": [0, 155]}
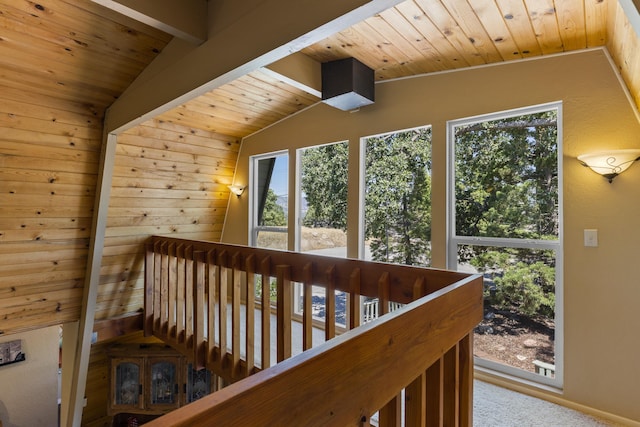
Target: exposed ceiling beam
{"type": "Point", "coordinates": [186, 19]}
{"type": "Point", "coordinates": [300, 71]}
{"type": "Point", "coordinates": [257, 33]}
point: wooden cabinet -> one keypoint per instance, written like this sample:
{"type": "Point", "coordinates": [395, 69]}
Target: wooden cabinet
{"type": "Point", "coordinates": [152, 379]}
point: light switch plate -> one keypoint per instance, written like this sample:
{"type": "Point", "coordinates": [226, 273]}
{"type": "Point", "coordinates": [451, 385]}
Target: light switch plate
{"type": "Point", "coordinates": [591, 237]}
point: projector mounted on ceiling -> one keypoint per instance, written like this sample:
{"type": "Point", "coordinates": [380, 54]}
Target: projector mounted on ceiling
{"type": "Point", "coordinates": [347, 84]}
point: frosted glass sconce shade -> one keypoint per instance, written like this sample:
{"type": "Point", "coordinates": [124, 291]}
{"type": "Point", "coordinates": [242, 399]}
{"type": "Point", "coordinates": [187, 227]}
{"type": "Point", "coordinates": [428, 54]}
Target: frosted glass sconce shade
{"type": "Point", "coordinates": [610, 163]}
{"type": "Point", "coordinates": [237, 189]}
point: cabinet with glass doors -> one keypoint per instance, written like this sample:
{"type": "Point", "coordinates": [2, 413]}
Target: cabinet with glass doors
{"type": "Point", "coordinates": [153, 379]}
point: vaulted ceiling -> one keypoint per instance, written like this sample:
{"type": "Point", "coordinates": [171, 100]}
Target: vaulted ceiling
{"type": "Point", "coordinates": [427, 36]}
{"type": "Point", "coordinates": [90, 54]}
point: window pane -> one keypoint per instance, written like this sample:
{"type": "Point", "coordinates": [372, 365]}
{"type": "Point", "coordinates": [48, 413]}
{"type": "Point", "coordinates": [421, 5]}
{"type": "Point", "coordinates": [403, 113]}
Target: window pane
{"type": "Point", "coordinates": [518, 328]}
{"type": "Point", "coordinates": [506, 177]}
{"type": "Point", "coordinates": [398, 197]}
{"type": "Point", "coordinates": [271, 200]}
{"type": "Point", "coordinates": [323, 199]}
{"type": "Point", "coordinates": [323, 216]}
{"type": "Point", "coordinates": [506, 203]}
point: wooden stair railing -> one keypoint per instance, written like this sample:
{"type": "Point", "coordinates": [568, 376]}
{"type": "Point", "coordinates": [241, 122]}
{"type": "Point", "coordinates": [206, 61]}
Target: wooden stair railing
{"type": "Point", "coordinates": [425, 348]}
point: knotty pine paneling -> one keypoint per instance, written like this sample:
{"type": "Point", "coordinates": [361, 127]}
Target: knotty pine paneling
{"type": "Point", "coordinates": [168, 179]}
{"type": "Point", "coordinates": [48, 167]}
{"type": "Point", "coordinates": [62, 63]}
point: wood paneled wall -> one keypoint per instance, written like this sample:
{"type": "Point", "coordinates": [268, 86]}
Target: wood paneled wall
{"type": "Point", "coordinates": [63, 63]}
{"type": "Point", "coordinates": [49, 155]}
{"type": "Point", "coordinates": [168, 180]}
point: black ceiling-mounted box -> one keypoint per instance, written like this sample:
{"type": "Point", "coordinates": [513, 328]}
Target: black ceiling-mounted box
{"type": "Point", "coordinates": [347, 84]}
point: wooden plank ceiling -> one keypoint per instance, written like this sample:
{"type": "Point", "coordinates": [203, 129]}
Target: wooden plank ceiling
{"type": "Point", "coordinates": [82, 51]}
{"type": "Point", "coordinates": [426, 36]}
{"type": "Point", "coordinates": [74, 51]}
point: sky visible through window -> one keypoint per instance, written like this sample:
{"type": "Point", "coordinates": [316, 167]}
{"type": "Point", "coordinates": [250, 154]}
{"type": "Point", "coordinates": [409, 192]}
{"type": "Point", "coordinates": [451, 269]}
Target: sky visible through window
{"type": "Point", "coordinates": [279, 183]}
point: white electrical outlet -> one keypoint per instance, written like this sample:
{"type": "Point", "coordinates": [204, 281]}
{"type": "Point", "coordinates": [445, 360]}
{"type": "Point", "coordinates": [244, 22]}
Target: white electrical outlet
{"type": "Point", "coordinates": [591, 237]}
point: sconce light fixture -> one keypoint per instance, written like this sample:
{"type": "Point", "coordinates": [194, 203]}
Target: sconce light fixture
{"type": "Point", "coordinates": [237, 189]}
{"type": "Point", "coordinates": [610, 163]}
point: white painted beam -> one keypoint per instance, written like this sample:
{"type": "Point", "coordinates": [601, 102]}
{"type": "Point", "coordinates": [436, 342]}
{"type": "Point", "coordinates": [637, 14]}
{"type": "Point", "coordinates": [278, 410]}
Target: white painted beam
{"type": "Point", "coordinates": [186, 19]}
{"type": "Point", "coordinates": [299, 71]}
{"type": "Point", "coordinates": [92, 280]}
{"type": "Point", "coordinates": [256, 33]}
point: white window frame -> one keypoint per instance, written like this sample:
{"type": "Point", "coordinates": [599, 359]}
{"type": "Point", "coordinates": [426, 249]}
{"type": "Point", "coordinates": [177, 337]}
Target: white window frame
{"type": "Point", "coordinates": [254, 228]}
{"type": "Point", "coordinates": [298, 189]}
{"type": "Point", "coordinates": [297, 289]}
{"type": "Point", "coordinates": [362, 181]}
{"type": "Point", "coordinates": [453, 241]}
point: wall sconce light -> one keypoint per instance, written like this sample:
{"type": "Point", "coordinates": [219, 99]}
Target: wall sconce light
{"type": "Point", "coordinates": [609, 163]}
{"type": "Point", "coordinates": [237, 189]}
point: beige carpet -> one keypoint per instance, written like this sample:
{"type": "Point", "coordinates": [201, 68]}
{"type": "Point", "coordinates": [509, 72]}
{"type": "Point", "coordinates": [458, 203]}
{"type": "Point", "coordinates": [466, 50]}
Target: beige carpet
{"type": "Point", "coordinates": [498, 407]}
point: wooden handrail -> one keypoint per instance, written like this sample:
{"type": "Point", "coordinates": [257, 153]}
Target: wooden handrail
{"type": "Point", "coordinates": [424, 348]}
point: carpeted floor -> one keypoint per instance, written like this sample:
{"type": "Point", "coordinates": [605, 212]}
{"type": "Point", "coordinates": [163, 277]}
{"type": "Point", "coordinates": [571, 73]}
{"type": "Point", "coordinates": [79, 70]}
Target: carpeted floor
{"type": "Point", "coordinates": [498, 407]}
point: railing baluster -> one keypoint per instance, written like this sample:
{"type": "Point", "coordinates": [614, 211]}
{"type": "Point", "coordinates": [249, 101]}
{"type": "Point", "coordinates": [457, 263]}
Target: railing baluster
{"type": "Point", "coordinates": [383, 294]}
{"type": "Point", "coordinates": [164, 290]}
{"type": "Point", "coordinates": [390, 413]}
{"type": "Point", "coordinates": [250, 265]}
{"type": "Point", "coordinates": [415, 402]}
{"type": "Point", "coordinates": [451, 392]}
{"type": "Point", "coordinates": [199, 318]}
{"type": "Point", "coordinates": [157, 281]}
{"type": "Point", "coordinates": [419, 288]}
{"type": "Point", "coordinates": [466, 380]}
{"type": "Point", "coordinates": [149, 286]}
{"type": "Point", "coordinates": [354, 299]}
{"type": "Point", "coordinates": [415, 394]}
{"type": "Point", "coordinates": [307, 307]}
{"type": "Point", "coordinates": [180, 292]}
{"type": "Point", "coordinates": [283, 274]}
{"type": "Point", "coordinates": [223, 275]}
{"type": "Point", "coordinates": [188, 298]}
{"type": "Point", "coordinates": [212, 284]}
{"type": "Point", "coordinates": [330, 305]}
{"type": "Point", "coordinates": [171, 295]}
{"type": "Point", "coordinates": [266, 313]}
{"type": "Point", "coordinates": [236, 327]}
{"type": "Point", "coordinates": [434, 396]}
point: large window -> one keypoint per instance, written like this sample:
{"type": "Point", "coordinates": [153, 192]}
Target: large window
{"type": "Point", "coordinates": [322, 199]}
{"type": "Point", "coordinates": [322, 216]}
{"type": "Point", "coordinates": [270, 201]}
{"type": "Point", "coordinates": [505, 223]}
{"type": "Point", "coordinates": [396, 202]}
{"type": "Point", "coordinates": [397, 197]}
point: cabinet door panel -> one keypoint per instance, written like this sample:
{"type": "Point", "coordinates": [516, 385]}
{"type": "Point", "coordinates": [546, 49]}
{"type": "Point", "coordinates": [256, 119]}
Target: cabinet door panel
{"type": "Point", "coordinates": [127, 380]}
{"type": "Point", "coordinates": [164, 377]}
{"type": "Point", "coordinates": [198, 383]}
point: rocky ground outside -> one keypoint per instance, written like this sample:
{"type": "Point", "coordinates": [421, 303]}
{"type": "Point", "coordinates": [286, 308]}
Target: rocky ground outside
{"type": "Point", "coordinates": [515, 340]}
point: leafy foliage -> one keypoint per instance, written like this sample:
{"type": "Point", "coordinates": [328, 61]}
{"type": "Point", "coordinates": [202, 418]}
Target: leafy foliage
{"type": "Point", "coordinates": [273, 214]}
{"type": "Point", "coordinates": [398, 197]}
{"type": "Point", "coordinates": [324, 182]}
{"type": "Point", "coordinates": [507, 187]}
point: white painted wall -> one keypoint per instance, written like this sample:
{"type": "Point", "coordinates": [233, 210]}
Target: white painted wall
{"type": "Point", "coordinates": [29, 389]}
